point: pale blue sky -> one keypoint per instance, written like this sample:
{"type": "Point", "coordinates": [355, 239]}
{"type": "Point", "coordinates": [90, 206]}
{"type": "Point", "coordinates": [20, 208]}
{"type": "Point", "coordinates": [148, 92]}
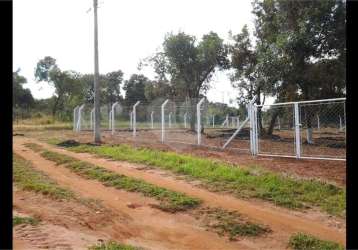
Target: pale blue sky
{"type": "Point", "coordinates": [129, 30]}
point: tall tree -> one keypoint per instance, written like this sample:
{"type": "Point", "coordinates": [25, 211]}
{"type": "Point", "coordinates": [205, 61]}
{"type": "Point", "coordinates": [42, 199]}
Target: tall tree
{"type": "Point", "coordinates": [64, 82]}
{"type": "Point", "coordinates": [135, 89]}
{"type": "Point", "coordinates": [22, 98]}
{"type": "Point", "coordinates": [297, 43]}
{"type": "Point", "coordinates": [189, 65]}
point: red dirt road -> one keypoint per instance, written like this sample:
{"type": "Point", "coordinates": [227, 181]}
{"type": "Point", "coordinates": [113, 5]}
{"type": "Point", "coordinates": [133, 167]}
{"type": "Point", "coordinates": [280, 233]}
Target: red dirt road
{"type": "Point", "coordinates": [144, 226]}
{"type": "Point", "coordinates": [282, 221]}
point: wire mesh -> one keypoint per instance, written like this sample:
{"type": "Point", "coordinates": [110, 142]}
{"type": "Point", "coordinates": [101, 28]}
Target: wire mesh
{"type": "Point", "coordinates": [276, 130]}
{"type": "Point", "coordinates": [323, 129]}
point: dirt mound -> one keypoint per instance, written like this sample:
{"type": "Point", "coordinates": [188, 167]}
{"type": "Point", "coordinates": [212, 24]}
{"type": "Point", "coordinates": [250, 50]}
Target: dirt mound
{"type": "Point", "coordinates": [69, 143]}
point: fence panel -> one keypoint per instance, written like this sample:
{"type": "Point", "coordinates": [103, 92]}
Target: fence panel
{"type": "Point", "coordinates": [219, 126]}
{"type": "Point", "coordinates": [148, 123]}
{"type": "Point", "coordinates": [276, 130]}
{"type": "Point", "coordinates": [323, 129]}
{"type": "Point", "coordinates": [180, 122]}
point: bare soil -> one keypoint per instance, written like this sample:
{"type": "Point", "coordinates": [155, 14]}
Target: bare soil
{"type": "Point", "coordinates": [147, 227]}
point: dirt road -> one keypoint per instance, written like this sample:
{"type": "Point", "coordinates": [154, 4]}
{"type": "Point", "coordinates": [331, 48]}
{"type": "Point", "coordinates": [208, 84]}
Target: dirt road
{"type": "Point", "coordinates": [151, 228]}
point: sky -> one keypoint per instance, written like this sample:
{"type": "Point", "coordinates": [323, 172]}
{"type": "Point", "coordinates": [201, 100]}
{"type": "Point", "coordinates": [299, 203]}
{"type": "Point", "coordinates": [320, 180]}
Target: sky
{"type": "Point", "coordinates": [128, 31]}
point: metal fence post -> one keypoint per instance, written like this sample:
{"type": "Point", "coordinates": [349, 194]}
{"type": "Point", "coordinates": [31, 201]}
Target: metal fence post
{"type": "Point", "coordinates": [297, 131]}
{"type": "Point", "coordinates": [256, 133]}
{"type": "Point", "coordinates": [213, 121]}
{"type": "Point", "coordinates": [185, 115]}
{"type": "Point", "coordinates": [79, 117]}
{"type": "Point", "coordinates": [198, 117]}
{"type": "Point", "coordinates": [110, 120]}
{"type": "Point", "coordinates": [113, 117]}
{"type": "Point", "coordinates": [134, 114]}
{"type": "Point", "coordinates": [170, 119]}
{"type": "Point", "coordinates": [151, 118]}
{"type": "Point", "coordinates": [251, 117]}
{"type": "Point", "coordinates": [92, 119]}
{"type": "Point", "coordinates": [163, 118]}
{"type": "Point", "coordinates": [318, 123]}
{"type": "Point", "coordinates": [75, 118]}
{"type": "Point", "coordinates": [340, 123]}
{"type": "Point", "coordinates": [131, 120]}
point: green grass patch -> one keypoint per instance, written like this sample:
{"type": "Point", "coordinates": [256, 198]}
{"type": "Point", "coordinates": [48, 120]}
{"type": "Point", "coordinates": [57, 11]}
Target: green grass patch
{"type": "Point", "coordinates": [301, 241]}
{"type": "Point", "coordinates": [170, 201]}
{"type": "Point", "coordinates": [111, 245]}
{"type": "Point", "coordinates": [229, 223]}
{"type": "Point", "coordinates": [280, 190]}
{"type": "Point", "coordinates": [33, 146]}
{"type": "Point", "coordinates": [57, 158]}
{"type": "Point", "coordinates": [16, 220]}
{"type": "Point", "coordinates": [27, 178]}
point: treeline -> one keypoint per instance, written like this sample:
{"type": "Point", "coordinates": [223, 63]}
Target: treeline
{"type": "Point", "coordinates": [296, 52]}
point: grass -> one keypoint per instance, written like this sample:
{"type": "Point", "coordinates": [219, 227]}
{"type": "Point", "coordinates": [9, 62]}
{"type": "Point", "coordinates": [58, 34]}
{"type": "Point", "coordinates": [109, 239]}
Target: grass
{"type": "Point", "coordinates": [57, 158]}
{"type": "Point", "coordinates": [24, 220]}
{"type": "Point", "coordinates": [33, 146]}
{"type": "Point", "coordinates": [111, 245]}
{"type": "Point", "coordinates": [27, 178]}
{"type": "Point", "coordinates": [280, 190]}
{"type": "Point", "coordinates": [170, 201]}
{"type": "Point", "coordinates": [230, 224]}
{"type": "Point", "coordinates": [301, 241]}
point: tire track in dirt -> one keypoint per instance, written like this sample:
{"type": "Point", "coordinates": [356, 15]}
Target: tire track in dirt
{"type": "Point", "coordinates": [46, 235]}
{"type": "Point", "coordinates": [143, 226]}
{"type": "Point", "coordinates": [281, 221]}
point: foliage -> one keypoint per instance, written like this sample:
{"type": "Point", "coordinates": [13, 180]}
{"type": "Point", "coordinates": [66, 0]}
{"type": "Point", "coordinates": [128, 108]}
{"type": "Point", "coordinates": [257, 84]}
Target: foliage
{"type": "Point", "coordinates": [65, 82]}
{"type": "Point", "coordinates": [111, 245]}
{"type": "Point", "coordinates": [230, 223]}
{"type": "Point", "coordinates": [303, 241]}
{"type": "Point", "coordinates": [135, 89]}
{"type": "Point", "coordinates": [17, 220]}
{"type": "Point", "coordinates": [22, 100]}
{"type": "Point", "coordinates": [189, 65]}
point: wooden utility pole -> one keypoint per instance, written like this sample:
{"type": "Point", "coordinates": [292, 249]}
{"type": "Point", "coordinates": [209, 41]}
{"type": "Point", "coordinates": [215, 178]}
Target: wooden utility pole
{"type": "Point", "coordinates": [97, 132]}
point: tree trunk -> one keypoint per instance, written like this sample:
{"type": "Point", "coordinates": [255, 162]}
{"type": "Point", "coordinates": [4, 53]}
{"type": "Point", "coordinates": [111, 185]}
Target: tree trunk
{"type": "Point", "coordinates": [272, 122]}
{"type": "Point", "coordinates": [192, 112]}
{"type": "Point", "coordinates": [309, 118]}
{"type": "Point", "coordinates": [54, 109]}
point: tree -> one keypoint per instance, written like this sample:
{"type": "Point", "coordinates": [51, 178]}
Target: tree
{"type": "Point", "coordinates": [305, 40]}
{"type": "Point", "coordinates": [135, 89]}
{"type": "Point", "coordinates": [64, 82]}
{"type": "Point", "coordinates": [22, 98]}
{"type": "Point", "coordinates": [110, 90]}
{"type": "Point", "coordinates": [189, 65]}
{"type": "Point", "coordinates": [297, 43]}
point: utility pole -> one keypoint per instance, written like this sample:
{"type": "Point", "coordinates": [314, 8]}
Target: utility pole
{"type": "Point", "coordinates": [97, 132]}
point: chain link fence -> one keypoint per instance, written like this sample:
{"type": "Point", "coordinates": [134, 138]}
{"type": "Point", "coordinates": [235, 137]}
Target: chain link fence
{"type": "Point", "coordinates": [307, 129]}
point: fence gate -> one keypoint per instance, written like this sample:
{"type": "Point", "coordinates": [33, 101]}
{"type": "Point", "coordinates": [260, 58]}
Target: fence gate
{"type": "Point", "coordinates": [307, 129]}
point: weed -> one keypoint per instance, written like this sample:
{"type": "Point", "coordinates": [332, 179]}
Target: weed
{"type": "Point", "coordinates": [111, 245]}
{"type": "Point", "coordinates": [57, 158]}
{"type": "Point", "coordinates": [33, 146]}
{"type": "Point", "coordinates": [27, 178]}
{"type": "Point", "coordinates": [303, 241]}
{"type": "Point", "coordinates": [230, 223]}
{"type": "Point", "coordinates": [24, 220]}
